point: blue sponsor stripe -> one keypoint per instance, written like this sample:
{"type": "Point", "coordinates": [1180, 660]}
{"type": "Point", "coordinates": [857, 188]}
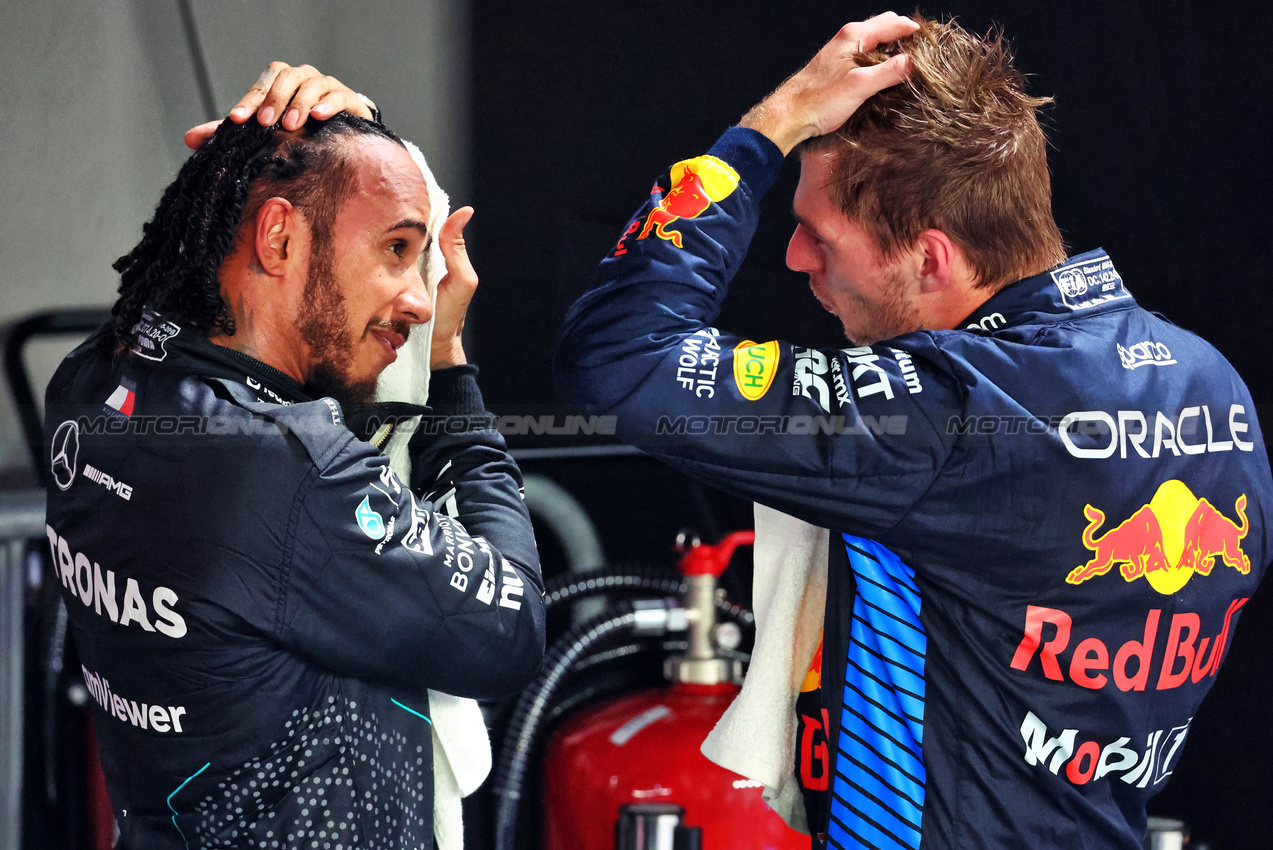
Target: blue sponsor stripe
{"type": "Point", "coordinates": [858, 756]}
{"type": "Point", "coordinates": [877, 798]}
{"type": "Point", "coordinates": [909, 683]}
{"type": "Point", "coordinates": [849, 828]}
{"type": "Point", "coordinates": [876, 803]}
{"type": "Point", "coordinates": [871, 719]}
{"type": "Point", "coordinates": [895, 650]}
{"type": "Point", "coordinates": [874, 686]}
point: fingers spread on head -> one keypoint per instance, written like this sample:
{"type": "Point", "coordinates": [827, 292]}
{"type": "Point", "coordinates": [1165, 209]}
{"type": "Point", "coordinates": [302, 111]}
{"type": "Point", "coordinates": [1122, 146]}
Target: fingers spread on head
{"type": "Point", "coordinates": [281, 91]}
{"type": "Point", "coordinates": [881, 29]}
{"type": "Point", "coordinates": [885, 74]}
{"type": "Point", "coordinates": [251, 101]}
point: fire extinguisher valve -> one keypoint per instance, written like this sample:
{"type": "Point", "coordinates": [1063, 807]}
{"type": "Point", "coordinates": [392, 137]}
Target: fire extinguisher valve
{"type": "Point", "coordinates": [655, 617]}
{"type": "Point", "coordinates": [703, 663]}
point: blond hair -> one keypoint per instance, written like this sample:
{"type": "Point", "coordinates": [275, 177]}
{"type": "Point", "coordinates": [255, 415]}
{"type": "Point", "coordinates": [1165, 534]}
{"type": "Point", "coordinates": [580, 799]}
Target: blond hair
{"type": "Point", "coordinates": [956, 147]}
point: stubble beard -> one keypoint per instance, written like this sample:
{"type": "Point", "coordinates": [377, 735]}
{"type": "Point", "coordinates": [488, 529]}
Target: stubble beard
{"type": "Point", "coordinates": [324, 326]}
{"type": "Point", "coordinates": [893, 316]}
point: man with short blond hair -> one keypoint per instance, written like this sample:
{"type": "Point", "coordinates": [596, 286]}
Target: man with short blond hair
{"type": "Point", "coordinates": [1048, 505]}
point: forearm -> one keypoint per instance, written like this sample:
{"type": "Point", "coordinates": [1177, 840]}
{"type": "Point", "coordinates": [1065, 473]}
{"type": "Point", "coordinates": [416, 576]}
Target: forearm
{"type": "Point", "coordinates": [664, 280]}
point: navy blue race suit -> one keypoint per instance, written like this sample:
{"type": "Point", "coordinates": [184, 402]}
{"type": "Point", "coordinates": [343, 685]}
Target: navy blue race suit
{"type": "Point", "coordinates": [1045, 522]}
{"type": "Point", "coordinates": [260, 605]}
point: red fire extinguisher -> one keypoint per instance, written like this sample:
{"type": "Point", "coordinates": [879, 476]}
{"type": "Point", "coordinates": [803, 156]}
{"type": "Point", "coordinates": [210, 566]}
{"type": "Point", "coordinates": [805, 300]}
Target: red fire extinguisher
{"type": "Point", "coordinates": [628, 773]}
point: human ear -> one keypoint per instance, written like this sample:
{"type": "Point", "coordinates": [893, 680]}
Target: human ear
{"type": "Point", "coordinates": [275, 233]}
{"type": "Point", "coordinates": [937, 256]}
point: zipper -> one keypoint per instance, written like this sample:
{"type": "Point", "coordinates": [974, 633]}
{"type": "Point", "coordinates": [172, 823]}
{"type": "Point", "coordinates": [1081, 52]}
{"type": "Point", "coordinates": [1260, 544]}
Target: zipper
{"type": "Point", "coordinates": [382, 435]}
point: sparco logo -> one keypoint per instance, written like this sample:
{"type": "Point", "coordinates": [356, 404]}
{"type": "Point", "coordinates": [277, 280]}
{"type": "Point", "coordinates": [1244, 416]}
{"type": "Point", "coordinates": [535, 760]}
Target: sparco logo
{"type": "Point", "coordinates": [64, 454]}
{"type": "Point", "coordinates": [1147, 353]}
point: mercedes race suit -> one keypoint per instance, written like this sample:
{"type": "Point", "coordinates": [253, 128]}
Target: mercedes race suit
{"type": "Point", "coordinates": [260, 605]}
{"type": "Point", "coordinates": [1045, 522]}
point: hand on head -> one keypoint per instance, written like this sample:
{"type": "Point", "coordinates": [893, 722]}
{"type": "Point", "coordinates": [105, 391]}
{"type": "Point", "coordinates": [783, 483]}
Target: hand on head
{"type": "Point", "coordinates": [294, 93]}
{"type": "Point", "coordinates": [822, 95]}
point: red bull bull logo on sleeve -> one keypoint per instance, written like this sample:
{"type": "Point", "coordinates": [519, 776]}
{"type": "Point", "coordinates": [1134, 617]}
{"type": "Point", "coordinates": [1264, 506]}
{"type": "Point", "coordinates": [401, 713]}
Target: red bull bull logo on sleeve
{"type": "Point", "coordinates": [1166, 541]}
{"type": "Point", "coordinates": [696, 184]}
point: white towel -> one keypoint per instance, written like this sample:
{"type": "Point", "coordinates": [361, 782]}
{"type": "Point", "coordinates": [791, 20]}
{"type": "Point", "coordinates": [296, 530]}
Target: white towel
{"type": "Point", "coordinates": [461, 745]}
{"type": "Point", "coordinates": [756, 737]}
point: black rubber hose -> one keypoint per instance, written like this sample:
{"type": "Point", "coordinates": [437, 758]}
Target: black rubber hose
{"type": "Point", "coordinates": [519, 739]}
{"type": "Point", "coordinates": [574, 586]}
{"type": "Point", "coordinates": [661, 582]}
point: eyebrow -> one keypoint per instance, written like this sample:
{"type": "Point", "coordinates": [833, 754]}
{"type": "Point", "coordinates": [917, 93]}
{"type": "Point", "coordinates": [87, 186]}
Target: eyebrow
{"type": "Point", "coordinates": [414, 223]}
{"type": "Point", "coordinates": [800, 221]}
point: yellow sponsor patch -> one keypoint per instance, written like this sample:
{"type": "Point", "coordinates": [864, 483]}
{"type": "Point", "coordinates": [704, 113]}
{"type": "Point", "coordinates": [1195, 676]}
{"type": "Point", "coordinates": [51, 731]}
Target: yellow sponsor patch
{"type": "Point", "coordinates": [755, 364]}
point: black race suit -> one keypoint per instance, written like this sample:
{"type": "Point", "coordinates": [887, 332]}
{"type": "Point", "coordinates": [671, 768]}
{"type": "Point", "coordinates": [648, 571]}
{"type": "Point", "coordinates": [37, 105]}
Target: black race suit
{"type": "Point", "coordinates": [260, 605]}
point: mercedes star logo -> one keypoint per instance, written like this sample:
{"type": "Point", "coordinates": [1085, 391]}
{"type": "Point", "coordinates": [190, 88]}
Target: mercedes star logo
{"type": "Point", "coordinates": [64, 453]}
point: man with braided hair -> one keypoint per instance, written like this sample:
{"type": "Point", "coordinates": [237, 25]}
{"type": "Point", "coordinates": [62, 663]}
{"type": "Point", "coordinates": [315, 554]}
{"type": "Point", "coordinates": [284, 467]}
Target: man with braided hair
{"type": "Point", "coordinates": [261, 606]}
{"type": "Point", "coordinates": [1018, 465]}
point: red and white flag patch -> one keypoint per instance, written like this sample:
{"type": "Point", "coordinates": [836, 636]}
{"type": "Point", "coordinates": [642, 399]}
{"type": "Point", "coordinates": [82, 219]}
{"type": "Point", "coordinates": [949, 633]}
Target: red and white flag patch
{"type": "Point", "coordinates": [122, 400]}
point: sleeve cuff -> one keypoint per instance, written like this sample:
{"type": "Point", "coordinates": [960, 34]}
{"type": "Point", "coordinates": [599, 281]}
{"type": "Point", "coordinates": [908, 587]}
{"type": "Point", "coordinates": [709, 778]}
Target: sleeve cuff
{"type": "Point", "coordinates": [453, 391]}
{"type": "Point", "coordinates": [756, 159]}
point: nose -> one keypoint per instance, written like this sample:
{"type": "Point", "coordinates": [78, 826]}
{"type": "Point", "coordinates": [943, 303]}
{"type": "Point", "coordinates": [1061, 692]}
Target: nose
{"type": "Point", "coordinates": [801, 251]}
{"type": "Point", "coordinates": [414, 303]}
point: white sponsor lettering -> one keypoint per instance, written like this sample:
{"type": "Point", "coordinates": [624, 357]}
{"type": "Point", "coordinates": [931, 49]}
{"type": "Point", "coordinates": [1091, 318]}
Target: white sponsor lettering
{"type": "Point", "coordinates": [988, 323]}
{"type": "Point", "coordinates": [839, 384]}
{"type": "Point", "coordinates": [156, 718]}
{"type": "Point", "coordinates": [869, 378]}
{"type": "Point", "coordinates": [1088, 761]}
{"type": "Point", "coordinates": [811, 367]}
{"type": "Point", "coordinates": [1098, 434]}
{"type": "Point", "coordinates": [696, 365]}
{"type": "Point", "coordinates": [1147, 353]}
{"type": "Point", "coordinates": [511, 588]}
{"type": "Point", "coordinates": [909, 374]}
{"type": "Point", "coordinates": [96, 589]}
{"type": "Point", "coordinates": [119, 488]}
{"type": "Point", "coordinates": [380, 547]}
{"type": "Point", "coordinates": [274, 398]}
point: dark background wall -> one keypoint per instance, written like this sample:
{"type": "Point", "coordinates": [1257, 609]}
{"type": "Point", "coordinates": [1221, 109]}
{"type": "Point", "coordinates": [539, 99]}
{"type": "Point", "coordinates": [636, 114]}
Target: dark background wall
{"type": "Point", "coordinates": [1160, 133]}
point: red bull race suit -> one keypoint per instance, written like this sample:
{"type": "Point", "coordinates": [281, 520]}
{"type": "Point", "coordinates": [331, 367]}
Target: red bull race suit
{"type": "Point", "coordinates": [260, 605]}
{"type": "Point", "coordinates": [1045, 522]}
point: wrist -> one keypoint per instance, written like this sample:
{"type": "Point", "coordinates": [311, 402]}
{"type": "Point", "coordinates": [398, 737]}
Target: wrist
{"type": "Point", "coordinates": [444, 356]}
{"type": "Point", "coordinates": [776, 120]}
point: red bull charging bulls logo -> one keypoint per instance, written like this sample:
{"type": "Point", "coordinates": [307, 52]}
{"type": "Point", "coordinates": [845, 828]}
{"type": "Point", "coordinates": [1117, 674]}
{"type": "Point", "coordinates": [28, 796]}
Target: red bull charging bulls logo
{"type": "Point", "coordinates": [696, 184]}
{"type": "Point", "coordinates": [1167, 541]}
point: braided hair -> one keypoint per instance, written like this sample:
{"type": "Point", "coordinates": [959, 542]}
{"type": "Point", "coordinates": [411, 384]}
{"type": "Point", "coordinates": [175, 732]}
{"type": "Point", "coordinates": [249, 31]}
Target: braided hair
{"type": "Point", "coordinates": [173, 269]}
